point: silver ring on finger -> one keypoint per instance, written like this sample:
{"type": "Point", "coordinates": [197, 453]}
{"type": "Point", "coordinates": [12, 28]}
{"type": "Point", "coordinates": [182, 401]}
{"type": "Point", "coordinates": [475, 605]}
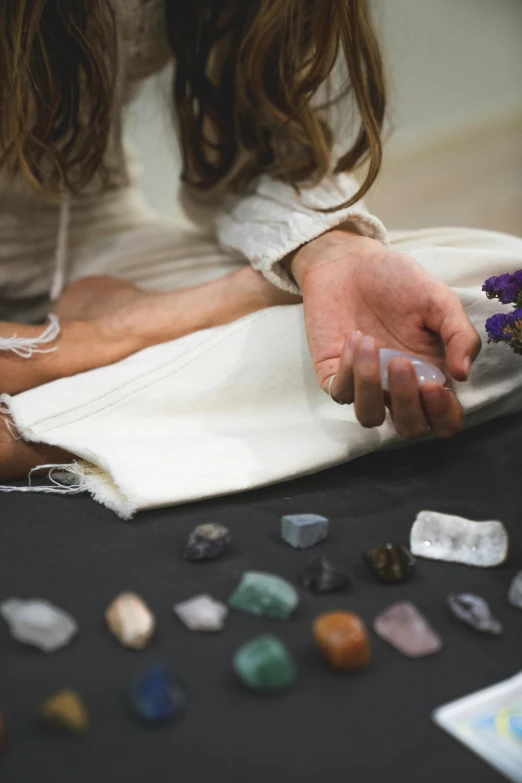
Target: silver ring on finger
{"type": "Point", "coordinates": [448, 388]}
{"type": "Point", "coordinates": [330, 391]}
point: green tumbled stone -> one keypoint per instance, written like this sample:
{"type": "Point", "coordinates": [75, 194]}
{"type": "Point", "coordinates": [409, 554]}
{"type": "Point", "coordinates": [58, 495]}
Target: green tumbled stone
{"type": "Point", "coordinates": [264, 664]}
{"type": "Point", "coordinates": [264, 594]}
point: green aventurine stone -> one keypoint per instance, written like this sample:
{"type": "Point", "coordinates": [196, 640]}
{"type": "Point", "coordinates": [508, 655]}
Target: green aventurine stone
{"type": "Point", "coordinates": [265, 664]}
{"type": "Point", "coordinates": [265, 594]}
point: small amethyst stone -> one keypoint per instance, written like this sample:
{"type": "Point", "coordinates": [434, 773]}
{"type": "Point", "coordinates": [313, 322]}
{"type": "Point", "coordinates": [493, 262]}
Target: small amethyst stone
{"type": "Point", "coordinates": [474, 610]}
{"type": "Point", "coordinates": [390, 562]}
{"type": "Point", "coordinates": [155, 698]}
{"type": "Point", "coordinates": [207, 542]}
{"type": "Point", "coordinates": [322, 576]}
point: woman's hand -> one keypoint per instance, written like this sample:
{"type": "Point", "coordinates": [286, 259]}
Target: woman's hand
{"type": "Point", "coordinates": [359, 297]}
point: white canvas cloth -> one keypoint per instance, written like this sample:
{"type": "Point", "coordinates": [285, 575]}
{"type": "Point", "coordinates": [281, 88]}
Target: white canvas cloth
{"type": "Point", "coordinates": [239, 406]}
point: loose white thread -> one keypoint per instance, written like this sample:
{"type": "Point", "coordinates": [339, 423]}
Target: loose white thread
{"type": "Point", "coordinates": [11, 427]}
{"type": "Point", "coordinates": [25, 347]}
{"type": "Point", "coordinates": [73, 475]}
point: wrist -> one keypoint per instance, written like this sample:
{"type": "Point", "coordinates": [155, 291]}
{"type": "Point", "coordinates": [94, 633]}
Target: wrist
{"type": "Point", "coordinates": [328, 247]}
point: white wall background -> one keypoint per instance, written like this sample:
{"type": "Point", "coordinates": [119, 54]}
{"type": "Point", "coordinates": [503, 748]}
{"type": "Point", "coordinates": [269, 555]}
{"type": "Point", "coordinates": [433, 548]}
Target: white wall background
{"type": "Point", "coordinates": [454, 65]}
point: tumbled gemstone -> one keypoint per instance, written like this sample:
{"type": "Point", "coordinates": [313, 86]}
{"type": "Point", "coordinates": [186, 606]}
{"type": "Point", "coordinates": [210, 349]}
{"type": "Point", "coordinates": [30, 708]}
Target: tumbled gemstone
{"type": "Point", "coordinates": [155, 698]}
{"type": "Point", "coordinates": [265, 664]}
{"type": "Point", "coordinates": [459, 540]}
{"type": "Point", "coordinates": [515, 591]}
{"type": "Point", "coordinates": [207, 542]}
{"type": "Point", "coordinates": [474, 610]}
{"type": "Point", "coordinates": [38, 623]}
{"type": "Point", "coordinates": [65, 712]}
{"type": "Point", "coordinates": [202, 613]}
{"type": "Point", "coordinates": [424, 370]}
{"type": "Point", "coordinates": [303, 530]}
{"type": "Point", "coordinates": [264, 594]}
{"type": "Point", "coordinates": [406, 629]}
{"type": "Point", "coordinates": [343, 640]}
{"type": "Point", "coordinates": [390, 562]}
{"type": "Point", "coordinates": [321, 575]}
{"type": "Point", "coordinates": [130, 620]}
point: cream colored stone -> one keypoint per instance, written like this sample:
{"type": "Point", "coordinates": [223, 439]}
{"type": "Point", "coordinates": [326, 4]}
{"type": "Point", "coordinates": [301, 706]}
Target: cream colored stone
{"type": "Point", "coordinates": [130, 620]}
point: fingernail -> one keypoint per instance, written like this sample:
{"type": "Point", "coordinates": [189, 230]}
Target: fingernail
{"type": "Point", "coordinates": [467, 365]}
{"type": "Point", "coordinates": [366, 349]}
{"type": "Point", "coordinates": [354, 339]}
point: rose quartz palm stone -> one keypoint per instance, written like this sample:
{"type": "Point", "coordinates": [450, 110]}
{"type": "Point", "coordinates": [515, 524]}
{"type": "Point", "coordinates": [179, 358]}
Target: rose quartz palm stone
{"type": "Point", "coordinates": [425, 370]}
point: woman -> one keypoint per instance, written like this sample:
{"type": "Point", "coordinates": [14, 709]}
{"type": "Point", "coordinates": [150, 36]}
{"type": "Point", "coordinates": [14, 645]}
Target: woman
{"type": "Point", "coordinates": [259, 165]}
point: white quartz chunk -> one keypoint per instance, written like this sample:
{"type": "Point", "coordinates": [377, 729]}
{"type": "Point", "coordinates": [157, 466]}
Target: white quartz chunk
{"type": "Point", "coordinates": [459, 540]}
{"type": "Point", "coordinates": [39, 623]}
{"type": "Point", "coordinates": [130, 620]}
{"type": "Point", "coordinates": [424, 370]}
{"type": "Point", "coordinates": [202, 613]}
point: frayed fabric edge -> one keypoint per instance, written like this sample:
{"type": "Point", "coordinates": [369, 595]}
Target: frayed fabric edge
{"type": "Point", "coordinates": [26, 347]}
{"type": "Point", "coordinates": [69, 478]}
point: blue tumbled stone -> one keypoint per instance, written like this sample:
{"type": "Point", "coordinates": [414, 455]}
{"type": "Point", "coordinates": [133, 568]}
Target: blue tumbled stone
{"type": "Point", "coordinates": [303, 530]}
{"type": "Point", "coordinates": [155, 698]}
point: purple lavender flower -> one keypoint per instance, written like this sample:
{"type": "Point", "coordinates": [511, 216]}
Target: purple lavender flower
{"type": "Point", "coordinates": [497, 327]}
{"type": "Point", "coordinates": [504, 287]}
{"type": "Point", "coordinates": [506, 328]}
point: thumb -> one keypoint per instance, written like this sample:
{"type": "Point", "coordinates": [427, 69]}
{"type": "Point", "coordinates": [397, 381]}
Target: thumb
{"type": "Point", "coordinates": [460, 337]}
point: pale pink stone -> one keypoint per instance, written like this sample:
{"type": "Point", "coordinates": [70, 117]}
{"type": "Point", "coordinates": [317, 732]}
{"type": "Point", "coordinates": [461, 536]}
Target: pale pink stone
{"type": "Point", "coordinates": [406, 629]}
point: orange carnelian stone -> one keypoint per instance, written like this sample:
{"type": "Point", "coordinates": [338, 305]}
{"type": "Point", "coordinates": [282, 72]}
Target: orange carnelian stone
{"type": "Point", "coordinates": [343, 640]}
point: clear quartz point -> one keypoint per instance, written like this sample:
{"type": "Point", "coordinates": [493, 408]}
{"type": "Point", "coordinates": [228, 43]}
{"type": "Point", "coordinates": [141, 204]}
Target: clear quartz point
{"type": "Point", "coordinates": [425, 371]}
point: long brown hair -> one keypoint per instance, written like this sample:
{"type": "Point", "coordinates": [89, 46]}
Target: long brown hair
{"type": "Point", "coordinates": [246, 77]}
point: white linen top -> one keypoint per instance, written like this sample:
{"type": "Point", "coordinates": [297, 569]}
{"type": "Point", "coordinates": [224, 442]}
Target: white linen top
{"type": "Point", "coordinates": [264, 225]}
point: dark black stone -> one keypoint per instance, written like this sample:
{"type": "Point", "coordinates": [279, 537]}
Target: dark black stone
{"type": "Point", "coordinates": [390, 562]}
{"type": "Point", "coordinates": [207, 542]}
{"type": "Point", "coordinates": [322, 576]}
{"type": "Point", "coordinates": [474, 610]}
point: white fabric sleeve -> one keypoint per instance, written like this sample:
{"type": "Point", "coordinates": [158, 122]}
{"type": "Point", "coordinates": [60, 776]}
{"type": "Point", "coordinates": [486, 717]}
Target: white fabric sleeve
{"type": "Point", "coordinates": [274, 220]}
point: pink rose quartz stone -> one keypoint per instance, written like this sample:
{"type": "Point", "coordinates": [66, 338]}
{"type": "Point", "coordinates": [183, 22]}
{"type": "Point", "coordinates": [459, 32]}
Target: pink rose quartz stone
{"type": "Point", "coordinates": [406, 629]}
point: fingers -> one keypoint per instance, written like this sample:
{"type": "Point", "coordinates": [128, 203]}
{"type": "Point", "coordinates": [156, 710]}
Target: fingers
{"type": "Point", "coordinates": [342, 386]}
{"type": "Point", "coordinates": [443, 410]}
{"type": "Point", "coordinates": [369, 397]}
{"type": "Point", "coordinates": [406, 408]}
{"type": "Point", "coordinates": [460, 337]}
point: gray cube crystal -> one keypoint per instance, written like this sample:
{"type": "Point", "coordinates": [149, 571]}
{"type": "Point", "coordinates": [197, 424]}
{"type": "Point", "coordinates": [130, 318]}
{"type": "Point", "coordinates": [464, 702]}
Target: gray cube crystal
{"type": "Point", "coordinates": [303, 530]}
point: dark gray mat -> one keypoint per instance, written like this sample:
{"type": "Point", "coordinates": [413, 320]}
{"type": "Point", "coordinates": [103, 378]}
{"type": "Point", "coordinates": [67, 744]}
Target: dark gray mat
{"type": "Point", "coordinates": [363, 728]}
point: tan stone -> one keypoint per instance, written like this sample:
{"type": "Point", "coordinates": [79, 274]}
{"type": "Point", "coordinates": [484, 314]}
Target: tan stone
{"type": "Point", "coordinates": [130, 620]}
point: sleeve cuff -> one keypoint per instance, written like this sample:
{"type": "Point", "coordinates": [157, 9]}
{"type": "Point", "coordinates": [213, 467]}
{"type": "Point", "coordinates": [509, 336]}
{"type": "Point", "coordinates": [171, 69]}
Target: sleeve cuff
{"type": "Point", "coordinates": [271, 223]}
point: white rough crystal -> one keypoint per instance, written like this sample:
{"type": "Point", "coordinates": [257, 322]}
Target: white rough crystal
{"type": "Point", "coordinates": [458, 540]}
{"type": "Point", "coordinates": [39, 623]}
{"type": "Point", "coordinates": [424, 370]}
{"type": "Point", "coordinates": [130, 620]}
{"type": "Point", "coordinates": [202, 613]}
